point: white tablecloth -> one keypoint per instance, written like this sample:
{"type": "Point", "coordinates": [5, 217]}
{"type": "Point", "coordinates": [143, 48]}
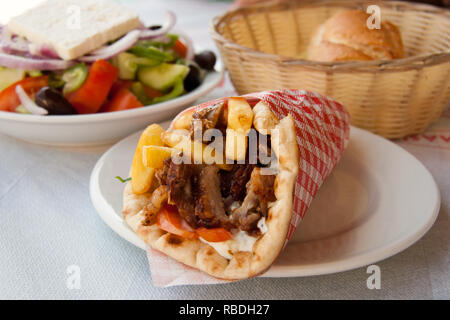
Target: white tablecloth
{"type": "Point", "coordinates": [47, 222]}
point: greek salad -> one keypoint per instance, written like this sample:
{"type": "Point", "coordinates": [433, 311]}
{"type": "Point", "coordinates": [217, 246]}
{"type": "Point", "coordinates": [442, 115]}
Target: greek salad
{"type": "Point", "coordinates": [143, 67]}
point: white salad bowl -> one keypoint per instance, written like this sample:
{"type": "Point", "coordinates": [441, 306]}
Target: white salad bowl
{"type": "Point", "coordinates": [99, 128]}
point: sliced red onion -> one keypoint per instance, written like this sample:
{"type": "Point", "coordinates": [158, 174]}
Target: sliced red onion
{"type": "Point", "coordinates": [34, 49]}
{"type": "Point", "coordinates": [163, 38]}
{"type": "Point", "coordinates": [29, 104]}
{"type": "Point", "coordinates": [188, 43]}
{"type": "Point", "coordinates": [48, 51]}
{"type": "Point", "coordinates": [100, 50]}
{"type": "Point", "coordinates": [15, 44]}
{"type": "Point", "coordinates": [167, 26]}
{"type": "Point", "coordinates": [117, 47]}
{"type": "Point", "coordinates": [18, 62]}
{"type": "Point", "coordinates": [12, 44]}
{"type": "Point", "coordinates": [42, 50]}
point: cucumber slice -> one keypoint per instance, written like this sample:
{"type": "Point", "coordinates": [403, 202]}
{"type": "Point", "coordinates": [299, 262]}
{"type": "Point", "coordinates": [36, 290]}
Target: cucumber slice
{"type": "Point", "coordinates": [128, 64]}
{"type": "Point", "coordinates": [138, 89]}
{"type": "Point", "coordinates": [151, 53]}
{"type": "Point", "coordinates": [34, 73]}
{"type": "Point", "coordinates": [74, 77]}
{"type": "Point", "coordinates": [9, 76]}
{"type": "Point", "coordinates": [127, 68]}
{"type": "Point", "coordinates": [178, 90]}
{"type": "Point", "coordinates": [162, 77]}
{"type": "Point", "coordinates": [55, 81]}
{"type": "Point", "coordinates": [146, 62]}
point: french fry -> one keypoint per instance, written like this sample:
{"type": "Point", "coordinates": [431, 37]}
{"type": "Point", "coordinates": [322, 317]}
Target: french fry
{"type": "Point", "coordinates": [183, 121]}
{"type": "Point", "coordinates": [236, 145]}
{"type": "Point", "coordinates": [142, 176]}
{"type": "Point", "coordinates": [240, 119]}
{"type": "Point", "coordinates": [264, 120]}
{"type": "Point", "coordinates": [154, 156]}
{"type": "Point", "coordinates": [240, 115]}
{"type": "Point", "coordinates": [197, 151]}
{"type": "Point", "coordinates": [180, 140]}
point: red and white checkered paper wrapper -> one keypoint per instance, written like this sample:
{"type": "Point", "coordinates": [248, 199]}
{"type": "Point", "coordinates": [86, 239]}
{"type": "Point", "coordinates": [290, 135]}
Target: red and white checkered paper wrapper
{"type": "Point", "coordinates": [323, 129]}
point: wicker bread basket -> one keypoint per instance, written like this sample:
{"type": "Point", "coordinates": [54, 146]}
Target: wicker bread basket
{"type": "Point", "coordinates": [263, 46]}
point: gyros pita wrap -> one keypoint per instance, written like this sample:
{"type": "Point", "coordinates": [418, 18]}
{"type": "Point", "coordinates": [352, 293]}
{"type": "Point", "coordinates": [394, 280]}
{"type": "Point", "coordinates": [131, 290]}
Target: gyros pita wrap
{"type": "Point", "coordinates": [260, 245]}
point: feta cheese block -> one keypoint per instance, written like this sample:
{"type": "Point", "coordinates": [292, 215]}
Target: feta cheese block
{"type": "Point", "coordinates": [74, 28]}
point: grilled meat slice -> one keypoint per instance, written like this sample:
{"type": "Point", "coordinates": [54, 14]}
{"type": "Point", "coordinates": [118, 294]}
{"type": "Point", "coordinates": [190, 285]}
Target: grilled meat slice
{"type": "Point", "coordinates": [249, 222]}
{"type": "Point", "coordinates": [198, 191]}
{"type": "Point", "coordinates": [209, 206]}
{"type": "Point", "coordinates": [158, 198]}
{"type": "Point", "coordinates": [195, 190]}
{"type": "Point", "coordinates": [233, 182]}
{"type": "Point", "coordinates": [161, 173]}
{"type": "Point", "coordinates": [205, 119]}
{"type": "Point", "coordinates": [255, 205]}
{"type": "Point", "coordinates": [180, 187]}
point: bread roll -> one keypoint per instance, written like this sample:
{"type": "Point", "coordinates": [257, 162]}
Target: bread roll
{"type": "Point", "coordinates": [346, 37]}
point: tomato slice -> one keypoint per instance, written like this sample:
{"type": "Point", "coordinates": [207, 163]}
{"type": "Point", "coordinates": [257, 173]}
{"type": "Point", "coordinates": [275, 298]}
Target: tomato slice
{"type": "Point", "coordinates": [214, 234]}
{"type": "Point", "coordinates": [92, 95]}
{"type": "Point", "coordinates": [169, 220]}
{"type": "Point", "coordinates": [124, 99]}
{"type": "Point", "coordinates": [180, 48]}
{"type": "Point", "coordinates": [9, 100]}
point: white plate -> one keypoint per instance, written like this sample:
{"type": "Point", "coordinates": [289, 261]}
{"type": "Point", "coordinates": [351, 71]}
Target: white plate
{"type": "Point", "coordinates": [99, 128]}
{"type": "Point", "coordinates": [378, 201]}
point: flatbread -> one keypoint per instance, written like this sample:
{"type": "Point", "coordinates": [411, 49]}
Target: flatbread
{"type": "Point", "coordinates": [204, 257]}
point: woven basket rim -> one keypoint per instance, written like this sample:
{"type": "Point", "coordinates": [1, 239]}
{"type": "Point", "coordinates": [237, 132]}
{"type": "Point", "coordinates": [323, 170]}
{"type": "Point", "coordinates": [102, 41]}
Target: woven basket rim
{"type": "Point", "coordinates": [408, 63]}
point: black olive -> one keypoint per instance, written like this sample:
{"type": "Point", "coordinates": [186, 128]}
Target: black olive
{"type": "Point", "coordinates": [206, 60]}
{"type": "Point", "coordinates": [193, 79]}
{"type": "Point", "coordinates": [54, 102]}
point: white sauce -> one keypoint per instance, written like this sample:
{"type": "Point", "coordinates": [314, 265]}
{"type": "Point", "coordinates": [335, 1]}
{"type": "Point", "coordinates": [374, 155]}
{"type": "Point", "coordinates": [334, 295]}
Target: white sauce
{"type": "Point", "coordinates": [240, 242]}
{"type": "Point", "coordinates": [262, 225]}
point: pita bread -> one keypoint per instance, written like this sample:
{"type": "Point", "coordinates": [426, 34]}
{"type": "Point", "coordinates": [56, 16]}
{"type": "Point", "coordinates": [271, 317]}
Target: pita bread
{"type": "Point", "coordinates": [266, 249]}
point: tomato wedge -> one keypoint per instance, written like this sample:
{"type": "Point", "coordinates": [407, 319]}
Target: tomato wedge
{"type": "Point", "coordinates": [169, 220]}
{"type": "Point", "coordinates": [124, 99]}
{"type": "Point", "coordinates": [214, 234]}
{"type": "Point", "coordinates": [9, 100]}
{"type": "Point", "coordinates": [119, 84]}
{"type": "Point", "coordinates": [93, 93]}
{"type": "Point", "coordinates": [180, 48]}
